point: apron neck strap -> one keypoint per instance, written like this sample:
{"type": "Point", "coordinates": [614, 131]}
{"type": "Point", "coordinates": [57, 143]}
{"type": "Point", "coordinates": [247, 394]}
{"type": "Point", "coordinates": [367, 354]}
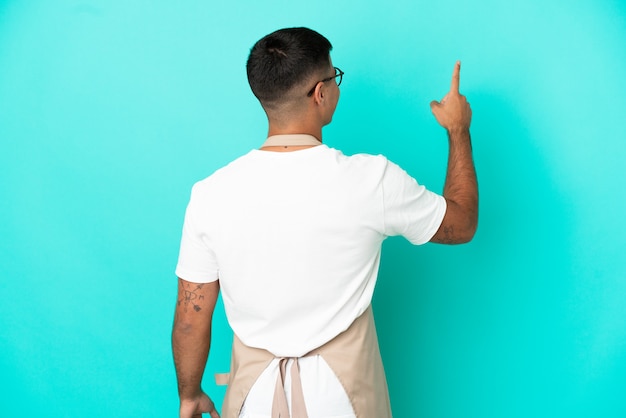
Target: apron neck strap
{"type": "Point", "coordinates": [291, 140]}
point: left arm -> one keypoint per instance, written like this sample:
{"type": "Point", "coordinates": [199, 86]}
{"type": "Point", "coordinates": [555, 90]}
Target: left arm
{"type": "Point", "coordinates": [191, 341]}
{"type": "Point", "coordinates": [461, 187]}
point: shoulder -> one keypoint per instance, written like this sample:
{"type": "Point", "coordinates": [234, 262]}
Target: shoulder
{"type": "Point", "coordinates": [224, 173]}
{"type": "Point", "coordinates": [359, 160]}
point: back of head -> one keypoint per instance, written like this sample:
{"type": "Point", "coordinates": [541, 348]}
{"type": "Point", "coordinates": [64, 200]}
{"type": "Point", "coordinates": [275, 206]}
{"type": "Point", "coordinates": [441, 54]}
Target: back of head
{"type": "Point", "coordinates": [285, 59]}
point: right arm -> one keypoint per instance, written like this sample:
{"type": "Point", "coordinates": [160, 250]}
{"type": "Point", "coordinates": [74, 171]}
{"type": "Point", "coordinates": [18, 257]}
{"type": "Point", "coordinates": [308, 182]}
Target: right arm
{"type": "Point", "coordinates": [191, 340]}
{"type": "Point", "coordinates": [461, 186]}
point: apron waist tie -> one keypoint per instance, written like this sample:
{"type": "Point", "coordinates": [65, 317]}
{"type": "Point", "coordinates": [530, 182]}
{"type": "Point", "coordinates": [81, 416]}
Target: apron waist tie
{"type": "Point", "coordinates": [280, 408]}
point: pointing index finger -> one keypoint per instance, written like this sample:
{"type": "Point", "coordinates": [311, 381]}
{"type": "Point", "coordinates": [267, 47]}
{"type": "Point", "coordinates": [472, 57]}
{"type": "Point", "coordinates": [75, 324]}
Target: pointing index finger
{"type": "Point", "coordinates": [456, 77]}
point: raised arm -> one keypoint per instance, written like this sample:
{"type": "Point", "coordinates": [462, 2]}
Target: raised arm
{"type": "Point", "coordinates": [453, 112]}
{"type": "Point", "coordinates": [191, 340]}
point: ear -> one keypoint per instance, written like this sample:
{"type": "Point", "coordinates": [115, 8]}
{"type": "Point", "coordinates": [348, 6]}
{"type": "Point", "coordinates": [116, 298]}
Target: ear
{"type": "Point", "coordinates": [319, 93]}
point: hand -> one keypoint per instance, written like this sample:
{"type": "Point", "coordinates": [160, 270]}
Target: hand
{"type": "Point", "coordinates": [453, 112]}
{"type": "Point", "coordinates": [193, 408]}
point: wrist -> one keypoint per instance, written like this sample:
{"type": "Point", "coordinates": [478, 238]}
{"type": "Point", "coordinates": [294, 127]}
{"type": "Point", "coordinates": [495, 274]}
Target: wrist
{"type": "Point", "coordinates": [458, 130]}
{"type": "Point", "coordinates": [190, 395]}
{"type": "Point", "coordinates": [459, 138]}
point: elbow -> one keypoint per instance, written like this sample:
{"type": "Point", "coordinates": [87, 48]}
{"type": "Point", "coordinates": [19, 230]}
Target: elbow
{"type": "Point", "coordinates": [468, 234]}
{"type": "Point", "coordinates": [460, 232]}
{"type": "Point", "coordinates": [183, 328]}
{"type": "Point", "coordinates": [470, 224]}
{"type": "Point", "coordinates": [462, 236]}
{"type": "Point", "coordinates": [470, 228]}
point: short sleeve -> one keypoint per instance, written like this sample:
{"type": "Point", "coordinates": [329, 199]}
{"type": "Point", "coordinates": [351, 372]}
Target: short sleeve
{"type": "Point", "coordinates": [196, 259]}
{"type": "Point", "coordinates": [410, 209]}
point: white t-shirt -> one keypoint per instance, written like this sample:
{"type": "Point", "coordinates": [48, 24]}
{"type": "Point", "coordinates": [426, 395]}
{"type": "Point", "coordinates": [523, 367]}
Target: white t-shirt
{"type": "Point", "coordinates": [295, 240]}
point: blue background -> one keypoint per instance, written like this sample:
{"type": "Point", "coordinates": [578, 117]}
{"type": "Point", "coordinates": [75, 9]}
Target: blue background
{"type": "Point", "coordinates": [111, 110]}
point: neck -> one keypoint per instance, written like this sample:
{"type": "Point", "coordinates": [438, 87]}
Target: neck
{"type": "Point", "coordinates": [295, 123]}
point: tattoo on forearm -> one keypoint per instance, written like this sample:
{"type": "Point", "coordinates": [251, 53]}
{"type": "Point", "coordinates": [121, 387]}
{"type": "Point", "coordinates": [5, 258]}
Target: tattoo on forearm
{"type": "Point", "coordinates": [449, 234]}
{"type": "Point", "coordinates": [190, 297]}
